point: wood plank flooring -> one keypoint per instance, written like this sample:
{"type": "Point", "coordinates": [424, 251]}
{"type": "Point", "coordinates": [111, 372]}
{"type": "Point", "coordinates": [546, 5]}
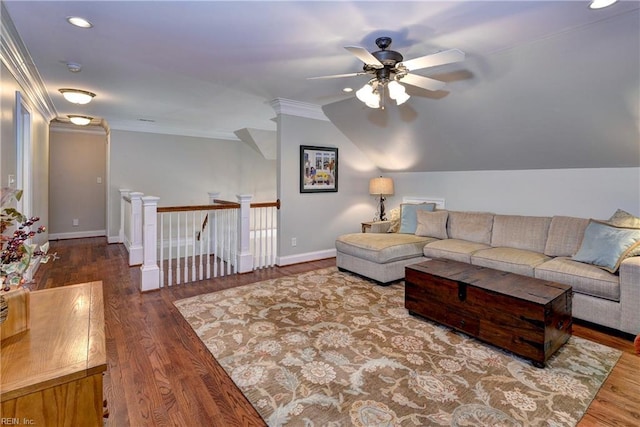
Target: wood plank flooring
{"type": "Point", "coordinates": [160, 373]}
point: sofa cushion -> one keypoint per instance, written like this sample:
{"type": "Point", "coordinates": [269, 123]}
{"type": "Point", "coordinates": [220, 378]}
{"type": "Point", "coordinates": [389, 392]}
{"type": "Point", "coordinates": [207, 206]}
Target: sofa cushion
{"type": "Point", "coordinates": [605, 245]}
{"type": "Point", "coordinates": [408, 217]}
{"type": "Point", "coordinates": [520, 232]}
{"type": "Point", "coordinates": [565, 235]}
{"type": "Point", "coordinates": [624, 219]}
{"type": "Point", "coordinates": [394, 217]}
{"type": "Point", "coordinates": [584, 278]}
{"type": "Point", "coordinates": [453, 249]}
{"type": "Point", "coordinates": [432, 224]}
{"type": "Point", "coordinates": [471, 226]}
{"type": "Point", "coordinates": [513, 260]}
{"type": "Point", "coordinates": [382, 248]}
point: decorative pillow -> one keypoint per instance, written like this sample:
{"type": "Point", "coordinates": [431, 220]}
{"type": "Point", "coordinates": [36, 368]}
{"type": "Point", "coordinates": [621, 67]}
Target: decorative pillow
{"type": "Point", "coordinates": [432, 224]}
{"type": "Point", "coordinates": [408, 218]}
{"type": "Point", "coordinates": [605, 245]}
{"type": "Point", "coordinates": [394, 217]}
{"type": "Point", "coordinates": [624, 219]}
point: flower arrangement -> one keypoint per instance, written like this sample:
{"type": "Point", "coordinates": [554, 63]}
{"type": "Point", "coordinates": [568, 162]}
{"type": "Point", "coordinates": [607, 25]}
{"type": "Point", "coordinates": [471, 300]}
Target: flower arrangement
{"type": "Point", "coordinates": [17, 254]}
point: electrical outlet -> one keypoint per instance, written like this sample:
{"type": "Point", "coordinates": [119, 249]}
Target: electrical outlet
{"type": "Point", "coordinates": [294, 241]}
{"type": "Point", "coordinates": [75, 222]}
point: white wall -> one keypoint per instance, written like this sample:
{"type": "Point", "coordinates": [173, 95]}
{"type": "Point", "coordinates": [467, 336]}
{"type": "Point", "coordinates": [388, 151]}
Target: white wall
{"type": "Point", "coordinates": [39, 147]}
{"type": "Point", "coordinates": [181, 170]}
{"type": "Point", "coordinates": [316, 219]}
{"type": "Point", "coordinates": [588, 193]}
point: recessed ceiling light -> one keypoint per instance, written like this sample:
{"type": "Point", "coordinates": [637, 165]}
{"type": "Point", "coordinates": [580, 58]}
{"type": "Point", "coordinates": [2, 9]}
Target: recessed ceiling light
{"type": "Point", "coordinates": [77, 96]}
{"type": "Point", "coordinates": [79, 22]}
{"type": "Point", "coordinates": [600, 4]}
{"type": "Point", "coordinates": [80, 120]}
{"type": "Point", "coordinates": [347, 90]}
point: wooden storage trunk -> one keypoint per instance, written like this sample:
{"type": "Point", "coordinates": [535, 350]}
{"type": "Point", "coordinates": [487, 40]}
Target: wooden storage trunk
{"type": "Point", "coordinates": [527, 316]}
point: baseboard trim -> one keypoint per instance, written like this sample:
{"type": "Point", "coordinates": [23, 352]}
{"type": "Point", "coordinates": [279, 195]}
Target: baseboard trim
{"type": "Point", "coordinates": [306, 257]}
{"type": "Point", "coordinates": [113, 239]}
{"type": "Point", "coordinates": [77, 234]}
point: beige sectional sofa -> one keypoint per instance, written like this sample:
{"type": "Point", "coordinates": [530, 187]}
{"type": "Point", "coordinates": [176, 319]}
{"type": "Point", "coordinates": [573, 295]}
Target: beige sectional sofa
{"type": "Point", "coordinates": [549, 248]}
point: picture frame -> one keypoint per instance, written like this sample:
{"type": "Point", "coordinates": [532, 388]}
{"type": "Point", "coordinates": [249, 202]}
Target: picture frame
{"type": "Point", "coordinates": [318, 169]}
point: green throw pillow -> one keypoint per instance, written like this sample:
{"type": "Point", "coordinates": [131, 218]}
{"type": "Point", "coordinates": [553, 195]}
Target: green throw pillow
{"type": "Point", "coordinates": [606, 246]}
{"type": "Point", "coordinates": [408, 217]}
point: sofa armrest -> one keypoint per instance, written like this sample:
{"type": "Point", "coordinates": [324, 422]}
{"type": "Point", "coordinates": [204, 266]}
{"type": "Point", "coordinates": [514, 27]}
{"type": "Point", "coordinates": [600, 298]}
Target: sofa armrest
{"type": "Point", "coordinates": [630, 295]}
{"type": "Point", "coordinates": [380, 226]}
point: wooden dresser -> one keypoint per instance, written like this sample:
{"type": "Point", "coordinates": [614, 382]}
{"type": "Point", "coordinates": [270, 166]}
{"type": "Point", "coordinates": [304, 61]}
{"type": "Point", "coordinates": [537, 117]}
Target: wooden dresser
{"type": "Point", "coordinates": [52, 374]}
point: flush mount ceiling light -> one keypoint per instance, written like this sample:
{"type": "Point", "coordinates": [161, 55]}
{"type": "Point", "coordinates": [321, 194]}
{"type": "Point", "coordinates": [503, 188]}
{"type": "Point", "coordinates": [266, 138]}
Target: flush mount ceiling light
{"type": "Point", "coordinates": [77, 96]}
{"type": "Point", "coordinates": [600, 4]}
{"type": "Point", "coordinates": [79, 22]}
{"type": "Point", "coordinates": [80, 120]}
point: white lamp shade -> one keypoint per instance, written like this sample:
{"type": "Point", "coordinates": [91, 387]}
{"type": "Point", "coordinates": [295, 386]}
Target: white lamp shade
{"type": "Point", "coordinates": [381, 186]}
{"type": "Point", "coordinates": [77, 96]}
{"type": "Point", "coordinates": [80, 120]}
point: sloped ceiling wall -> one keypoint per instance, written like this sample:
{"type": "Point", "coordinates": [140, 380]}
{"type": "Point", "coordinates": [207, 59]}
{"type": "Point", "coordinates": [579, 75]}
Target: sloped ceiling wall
{"type": "Point", "coordinates": [568, 101]}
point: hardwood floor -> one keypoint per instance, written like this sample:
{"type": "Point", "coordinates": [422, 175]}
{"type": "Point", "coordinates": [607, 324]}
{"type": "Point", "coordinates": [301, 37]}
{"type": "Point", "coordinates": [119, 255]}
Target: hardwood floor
{"type": "Point", "coordinates": [160, 373]}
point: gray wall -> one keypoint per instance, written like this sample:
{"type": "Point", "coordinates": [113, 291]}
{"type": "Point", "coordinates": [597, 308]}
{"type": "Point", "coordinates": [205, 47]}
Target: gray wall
{"type": "Point", "coordinates": [78, 160]}
{"type": "Point", "coordinates": [181, 170]}
{"type": "Point", "coordinates": [588, 193]}
{"type": "Point", "coordinates": [315, 219]}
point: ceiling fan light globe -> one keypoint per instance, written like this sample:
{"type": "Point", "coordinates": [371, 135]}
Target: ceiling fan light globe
{"type": "Point", "coordinates": [396, 90]}
{"type": "Point", "coordinates": [364, 93]}
{"type": "Point", "coordinates": [373, 101]}
{"type": "Point", "coordinates": [402, 98]}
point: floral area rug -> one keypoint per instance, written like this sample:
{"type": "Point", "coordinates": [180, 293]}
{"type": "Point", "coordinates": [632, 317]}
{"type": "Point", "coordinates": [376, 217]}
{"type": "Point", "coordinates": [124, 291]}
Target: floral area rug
{"type": "Point", "coordinates": [327, 348]}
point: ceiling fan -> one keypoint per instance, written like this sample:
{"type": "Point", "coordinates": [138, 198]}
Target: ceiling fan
{"type": "Point", "coordinates": [388, 69]}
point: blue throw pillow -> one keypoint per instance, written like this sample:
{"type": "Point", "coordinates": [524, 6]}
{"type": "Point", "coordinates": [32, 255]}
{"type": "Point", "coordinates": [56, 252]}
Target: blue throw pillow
{"type": "Point", "coordinates": [606, 246]}
{"type": "Point", "coordinates": [409, 218]}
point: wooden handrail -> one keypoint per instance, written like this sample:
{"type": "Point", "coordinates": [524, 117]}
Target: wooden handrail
{"type": "Point", "coordinates": [275, 204]}
{"type": "Point", "coordinates": [198, 208]}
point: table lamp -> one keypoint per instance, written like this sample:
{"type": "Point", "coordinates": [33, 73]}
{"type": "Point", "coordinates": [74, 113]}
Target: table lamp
{"type": "Point", "coordinates": [381, 187]}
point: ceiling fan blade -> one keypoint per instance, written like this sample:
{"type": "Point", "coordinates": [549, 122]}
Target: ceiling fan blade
{"type": "Point", "coordinates": [365, 56]}
{"type": "Point", "coordinates": [335, 76]}
{"type": "Point", "coordinates": [440, 58]}
{"type": "Point", "coordinates": [423, 82]}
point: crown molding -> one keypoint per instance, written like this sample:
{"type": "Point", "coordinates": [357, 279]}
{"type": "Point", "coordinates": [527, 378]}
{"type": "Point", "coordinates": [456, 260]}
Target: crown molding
{"type": "Point", "coordinates": [16, 58]}
{"type": "Point", "coordinates": [297, 108]}
{"type": "Point", "coordinates": [71, 128]}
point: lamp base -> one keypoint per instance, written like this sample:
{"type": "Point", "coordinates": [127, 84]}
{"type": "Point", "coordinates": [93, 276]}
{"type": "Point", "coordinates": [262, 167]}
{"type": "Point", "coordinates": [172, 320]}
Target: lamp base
{"type": "Point", "coordinates": [383, 215]}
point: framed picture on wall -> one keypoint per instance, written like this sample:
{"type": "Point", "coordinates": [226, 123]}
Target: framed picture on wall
{"type": "Point", "coordinates": [318, 169]}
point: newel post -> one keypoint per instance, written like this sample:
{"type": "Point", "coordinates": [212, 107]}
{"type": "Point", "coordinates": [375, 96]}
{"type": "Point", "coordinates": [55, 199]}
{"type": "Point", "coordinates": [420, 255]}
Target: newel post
{"type": "Point", "coordinates": [124, 194]}
{"type": "Point", "coordinates": [150, 269]}
{"type": "Point", "coordinates": [245, 258]}
{"type": "Point", "coordinates": [135, 250]}
{"type": "Point", "coordinates": [213, 195]}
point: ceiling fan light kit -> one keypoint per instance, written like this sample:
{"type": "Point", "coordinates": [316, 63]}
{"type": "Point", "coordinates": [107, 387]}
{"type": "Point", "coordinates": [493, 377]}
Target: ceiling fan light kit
{"type": "Point", "coordinates": [389, 70]}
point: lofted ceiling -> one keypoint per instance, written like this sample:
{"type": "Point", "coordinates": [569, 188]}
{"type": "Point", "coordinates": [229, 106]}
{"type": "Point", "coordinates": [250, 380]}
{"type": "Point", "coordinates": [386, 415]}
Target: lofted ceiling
{"type": "Point", "coordinates": [546, 84]}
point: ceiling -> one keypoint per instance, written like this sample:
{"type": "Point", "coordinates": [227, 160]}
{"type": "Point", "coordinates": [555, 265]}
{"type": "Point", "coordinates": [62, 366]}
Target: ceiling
{"type": "Point", "coordinates": [211, 68]}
